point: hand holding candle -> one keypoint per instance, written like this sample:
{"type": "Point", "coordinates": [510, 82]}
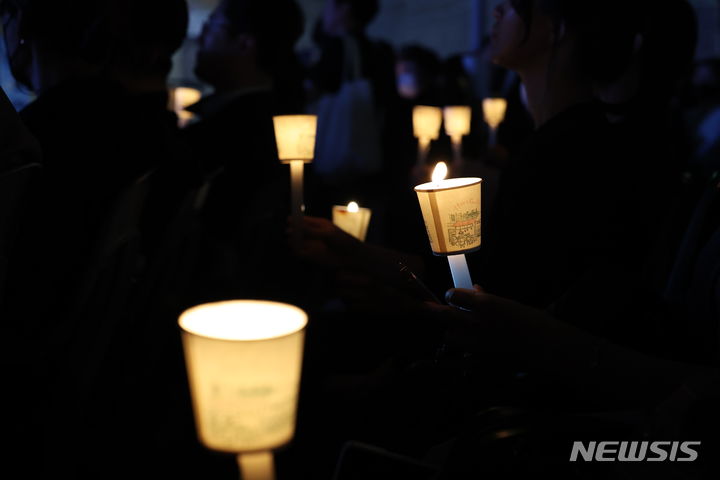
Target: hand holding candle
{"type": "Point", "coordinates": [352, 219]}
{"type": "Point", "coordinates": [426, 127]}
{"type": "Point", "coordinates": [451, 210]}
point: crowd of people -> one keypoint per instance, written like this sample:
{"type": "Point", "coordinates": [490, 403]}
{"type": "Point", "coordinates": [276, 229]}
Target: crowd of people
{"type": "Point", "coordinates": [597, 305]}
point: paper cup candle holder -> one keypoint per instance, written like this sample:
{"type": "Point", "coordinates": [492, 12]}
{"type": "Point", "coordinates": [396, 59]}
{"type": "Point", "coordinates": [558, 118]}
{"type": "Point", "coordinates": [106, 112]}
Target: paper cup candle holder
{"type": "Point", "coordinates": [352, 219]}
{"type": "Point", "coordinates": [243, 363]}
{"type": "Point", "coordinates": [452, 213]}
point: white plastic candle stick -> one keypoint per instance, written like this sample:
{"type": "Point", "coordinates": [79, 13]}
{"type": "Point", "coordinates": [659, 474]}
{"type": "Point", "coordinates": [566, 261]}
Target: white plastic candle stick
{"type": "Point", "coordinates": [492, 140]}
{"type": "Point", "coordinates": [296, 175]}
{"type": "Point", "coordinates": [256, 466]}
{"type": "Point", "coordinates": [295, 139]}
{"type": "Point", "coordinates": [457, 151]}
{"type": "Point", "coordinates": [460, 271]}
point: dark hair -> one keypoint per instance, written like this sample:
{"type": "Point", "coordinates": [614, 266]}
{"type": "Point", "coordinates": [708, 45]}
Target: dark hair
{"type": "Point", "coordinates": [423, 57]}
{"type": "Point", "coordinates": [668, 58]}
{"type": "Point", "coordinates": [276, 27]}
{"type": "Point", "coordinates": [106, 32]}
{"type": "Point", "coordinates": [363, 11]}
{"type": "Point", "coordinates": [604, 31]}
{"type": "Point", "coordinates": [161, 24]}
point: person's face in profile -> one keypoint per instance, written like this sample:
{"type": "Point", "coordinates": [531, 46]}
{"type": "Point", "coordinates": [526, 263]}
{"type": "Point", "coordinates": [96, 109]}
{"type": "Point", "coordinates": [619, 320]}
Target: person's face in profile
{"type": "Point", "coordinates": [512, 45]}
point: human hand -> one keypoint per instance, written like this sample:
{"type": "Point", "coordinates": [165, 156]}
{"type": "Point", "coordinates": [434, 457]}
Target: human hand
{"type": "Point", "coordinates": [323, 243]}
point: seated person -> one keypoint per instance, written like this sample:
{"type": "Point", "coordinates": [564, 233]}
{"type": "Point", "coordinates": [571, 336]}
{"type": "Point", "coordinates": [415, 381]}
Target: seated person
{"type": "Point", "coordinates": [246, 54]}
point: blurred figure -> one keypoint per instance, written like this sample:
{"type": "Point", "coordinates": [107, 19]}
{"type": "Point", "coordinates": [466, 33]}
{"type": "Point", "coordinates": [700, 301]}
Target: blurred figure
{"type": "Point", "coordinates": [703, 119]}
{"type": "Point", "coordinates": [418, 75]}
{"type": "Point", "coordinates": [706, 81]}
{"type": "Point", "coordinates": [354, 92]}
{"type": "Point", "coordinates": [643, 103]}
{"type": "Point", "coordinates": [17, 146]}
{"type": "Point", "coordinates": [246, 54]}
{"type": "Point", "coordinates": [539, 40]}
{"type": "Point", "coordinates": [98, 68]}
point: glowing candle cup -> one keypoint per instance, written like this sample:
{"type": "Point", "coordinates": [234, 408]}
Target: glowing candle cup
{"type": "Point", "coordinates": [494, 110]}
{"type": "Point", "coordinates": [180, 99]}
{"type": "Point", "coordinates": [243, 362]}
{"type": "Point", "coordinates": [451, 210]}
{"type": "Point", "coordinates": [457, 125]}
{"type": "Point", "coordinates": [352, 219]}
{"type": "Point", "coordinates": [426, 128]}
{"type": "Point", "coordinates": [295, 138]}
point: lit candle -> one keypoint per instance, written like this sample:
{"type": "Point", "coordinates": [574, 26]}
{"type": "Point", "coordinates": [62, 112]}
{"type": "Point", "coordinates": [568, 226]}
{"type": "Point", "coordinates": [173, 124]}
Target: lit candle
{"type": "Point", "coordinates": [426, 128]}
{"type": "Point", "coordinates": [244, 360]}
{"type": "Point", "coordinates": [451, 210]}
{"type": "Point", "coordinates": [180, 99]}
{"type": "Point", "coordinates": [352, 219]}
{"type": "Point", "coordinates": [295, 138]}
{"type": "Point", "coordinates": [494, 110]}
{"type": "Point", "coordinates": [457, 125]}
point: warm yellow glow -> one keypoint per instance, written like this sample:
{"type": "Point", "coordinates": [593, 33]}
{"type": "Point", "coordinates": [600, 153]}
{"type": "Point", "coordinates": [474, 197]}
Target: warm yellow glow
{"type": "Point", "coordinates": [295, 137]}
{"type": "Point", "coordinates": [183, 97]}
{"type": "Point", "coordinates": [440, 172]}
{"type": "Point", "coordinates": [457, 121]}
{"type": "Point", "coordinates": [244, 360]}
{"type": "Point", "coordinates": [238, 320]}
{"type": "Point", "coordinates": [256, 466]}
{"type": "Point", "coordinates": [427, 122]}
{"type": "Point", "coordinates": [494, 109]}
{"type": "Point", "coordinates": [352, 219]}
{"type": "Point", "coordinates": [452, 210]}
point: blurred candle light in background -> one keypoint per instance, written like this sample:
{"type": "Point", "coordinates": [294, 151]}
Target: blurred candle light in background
{"type": "Point", "coordinates": [457, 125]}
{"type": "Point", "coordinates": [180, 99]}
{"type": "Point", "coordinates": [494, 110]}
{"type": "Point", "coordinates": [352, 219]}
{"type": "Point", "coordinates": [244, 361]}
{"type": "Point", "coordinates": [426, 128]}
{"type": "Point", "coordinates": [295, 138]}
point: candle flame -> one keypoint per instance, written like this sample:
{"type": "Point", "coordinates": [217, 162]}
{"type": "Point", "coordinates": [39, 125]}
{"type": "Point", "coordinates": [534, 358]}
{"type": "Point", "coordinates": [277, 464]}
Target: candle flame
{"type": "Point", "coordinates": [353, 207]}
{"type": "Point", "coordinates": [440, 172]}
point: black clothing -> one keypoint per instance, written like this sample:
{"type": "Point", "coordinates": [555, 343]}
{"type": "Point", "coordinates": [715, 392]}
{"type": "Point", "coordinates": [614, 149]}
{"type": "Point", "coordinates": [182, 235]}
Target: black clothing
{"type": "Point", "coordinates": [245, 214]}
{"type": "Point", "coordinates": [568, 203]}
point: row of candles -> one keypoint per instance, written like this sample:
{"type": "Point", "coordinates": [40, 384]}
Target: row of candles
{"type": "Point", "coordinates": [244, 357]}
